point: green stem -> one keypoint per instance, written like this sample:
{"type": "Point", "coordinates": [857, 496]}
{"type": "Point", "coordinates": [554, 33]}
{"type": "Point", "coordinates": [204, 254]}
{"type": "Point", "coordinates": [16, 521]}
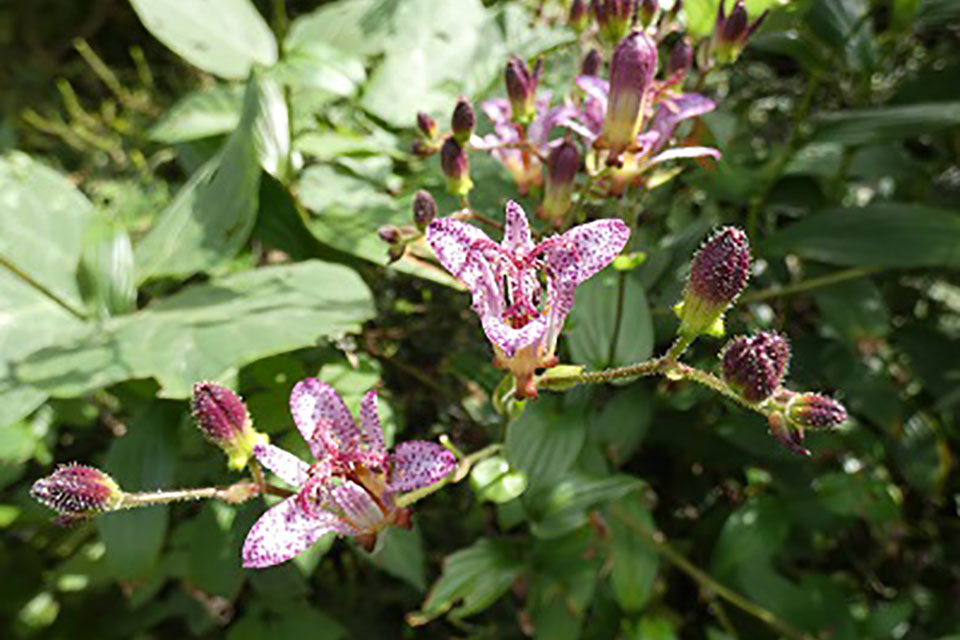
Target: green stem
{"type": "Point", "coordinates": [707, 582]}
{"type": "Point", "coordinates": [234, 494]}
{"type": "Point", "coordinates": [39, 287]}
{"type": "Point", "coordinates": [280, 20]}
{"type": "Point", "coordinates": [618, 317]}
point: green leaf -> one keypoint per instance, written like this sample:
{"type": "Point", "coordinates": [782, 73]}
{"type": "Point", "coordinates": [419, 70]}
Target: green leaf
{"type": "Point", "coordinates": [272, 130]}
{"type": "Point", "coordinates": [210, 218]}
{"type": "Point", "coordinates": [854, 309]}
{"type": "Point", "coordinates": [610, 325]}
{"type": "Point", "coordinates": [622, 423]}
{"type": "Point", "coordinates": [399, 552]}
{"type": "Point", "coordinates": [142, 460]}
{"type": "Point", "coordinates": [881, 124]}
{"type": "Point", "coordinates": [633, 560]}
{"type": "Point", "coordinates": [207, 331]}
{"type": "Point", "coordinates": [223, 37]}
{"type": "Point", "coordinates": [884, 234]}
{"type": "Point", "coordinates": [354, 27]}
{"type": "Point", "coordinates": [922, 456]}
{"type": "Point", "coordinates": [286, 620]}
{"type": "Point", "coordinates": [473, 577]}
{"type": "Point", "coordinates": [493, 480]}
{"type": "Point", "coordinates": [653, 627]}
{"type": "Point", "coordinates": [561, 507]}
{"type": "Point", "coordinates": [200, 114]}
{"type": "Point", "coordinates": [212, 548]}
{"type": "Point", "coordinates": [316, 66]}
{"type": "Point", "coordinates": [107, 270]}
{"type": "Point", "coordinates": [547, 437]}
{"type": "Point", "coordinates": [841, 25]}
{"type": "Point", "coordinates": [43, 218]}
{"type": "Point", "coordinates": [750, 536]}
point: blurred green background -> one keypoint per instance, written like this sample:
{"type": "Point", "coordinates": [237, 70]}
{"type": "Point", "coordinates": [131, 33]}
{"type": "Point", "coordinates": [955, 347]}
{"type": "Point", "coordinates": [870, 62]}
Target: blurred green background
{"type": "Point", "coordinates": [165, 217]}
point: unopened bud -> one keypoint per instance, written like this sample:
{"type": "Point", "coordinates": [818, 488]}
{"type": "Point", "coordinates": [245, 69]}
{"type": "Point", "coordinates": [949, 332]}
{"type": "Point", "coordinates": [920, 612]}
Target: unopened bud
{"type": "Point", "coordinates": [522, 88]}
{"type": "Point", "coordinates": [614, 17]}
{"type": "Point", "coordinates": [632, 68]}
{"type": "Point", "coordinates": [389, 234]}
{"type": "Point", "coordinates": [223, 419]}
{"type": "Point", "coordinates": [427, 125]}
{"type": "Point", "coordinates": [731, 32]}
{"type": "Point", "coordinates": [578, 18]}
{"type": "Point", "coordinates": [562, 165]}
{"type": "Point", "coordinates": [648, 11]}
{"type": "Point", "coordinates": [456, 166]}
{"type": "Point", "coordinates": [675, 9]}
{"type": "Point", "coordinates": [717, 276]}
{"type": "Point", "coordinates": [424, 209]}
{"type": "Point", "coordinates": [678, 65]}
{"type": "Point", "coordinates": [591, 63]}
{"type": "Point", "coordinates": [754, 366]}
{"type": "Point", "coordinates": [76, 491]}
{"type": "Point", "coordinates": [789, 436]}
{"type": "Point", "coordinates": [463, 120]}
{"type": "Point", "coordinates": [814, 411]}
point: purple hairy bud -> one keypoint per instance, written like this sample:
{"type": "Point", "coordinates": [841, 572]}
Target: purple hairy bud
{"type": "Point", "coordinates": [678, 65]}
{"type": "Point", "coordinates": [223, 419]}
{"type": "Point", "coordinates": [788, 435]}
{"type": "Point", "coordinates": [76, 491]}
{"type": "Point", "coordinates": [427, 126]}
{"type": "Point", "coordinates": [463, 120]}
{"type": "Point", "coordinates": [615, 17]}
{"type": "Point", "coordinates": [648, 11]}
{"type": "Point", "coordinates": [754, 366]}
{"type": "Point", "coordinates": [717, 276]}
{"type": "Point", "coordinates": [578, 17]}
{"type": "Point", "coordinates": [591, 63]}
{"type": "Point", "coordinates": [522, 88]}
{"type": "Point", "coordinates": [731, 32]}
{"type": "Point", "coordinates": [814, 411]}
{"type": "Point", "coordinates": [632, 69]}
{"type": "Point", "coordinates": [456, 166]}
{"type": "Point", "coordinates": [562, 165]}
{"type": "Point", "coordinates": [389, 234]}
{"type": "Point", "coordinates": [424, 209]}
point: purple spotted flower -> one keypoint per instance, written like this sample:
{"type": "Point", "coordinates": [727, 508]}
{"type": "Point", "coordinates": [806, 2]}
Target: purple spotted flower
{"type": "Point", "coordinates": [351, 487]}
{"type": "Point", "coordinates": [520, 321]}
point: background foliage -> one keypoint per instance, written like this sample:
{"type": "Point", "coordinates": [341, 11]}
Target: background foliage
{"type": "Point", "coordinates": [193, 194]}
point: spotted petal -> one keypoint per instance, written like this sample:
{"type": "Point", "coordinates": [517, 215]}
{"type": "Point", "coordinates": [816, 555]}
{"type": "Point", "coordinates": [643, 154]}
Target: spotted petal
{"type": "Point", "coordinates": [470, 255]}
{"type": "Point", "coordinates": [418, 463]}
{"type": "Point", "coordinates": [322, 418]}
{"type": "Point", "coordinates": [353, 504]}
{"type": "Point", "coordinates": [516, 230]}
{"type": "Point", "coordinates": [284, 531]}
{"type": "Point", "coordinates": [372, 437]}
{"type": "Point", "coordinates": [287, 466]}
{"type": "Point", "coordinates": [592, 247]}
{"type": "Point", "coordinates": [510, 340]}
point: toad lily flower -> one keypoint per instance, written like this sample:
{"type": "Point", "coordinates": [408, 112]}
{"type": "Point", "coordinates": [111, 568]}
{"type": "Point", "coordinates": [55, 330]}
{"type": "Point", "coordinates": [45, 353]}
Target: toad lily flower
{"type": "Point", "coordinates": [521, 323]}
{"type": "Point", "coordinates": [350, 489]}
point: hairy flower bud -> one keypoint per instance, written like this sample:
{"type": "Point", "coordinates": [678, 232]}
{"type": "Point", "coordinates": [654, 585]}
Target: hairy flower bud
{"type": "Point", "coordinates": [223, 419]}
{"type": "Point", "coordinates": [578, 18]}
{"type": "Point", "coordinates": [679, 62]}
{"type": "Point", "coordinates": [427, 125]}
{"type": "Point", "coordinates": [389, 234]}
{"type": "Point", "coordinates": [76, 491]}
{"type": "Point", "coordinates": [591, 63]}
{"type": "Point", "coordinates": [648, 11]}
{"type": "Point", "coordinates": [731, 32]}
{"type": "Point", "coordinates": [424, 209]}
{"type": "Point", "coordinates": [754, 366]}
{"type": "Point", "coordinates": [788, 435]}
{"type": "Point", "coordinates": [522, 88]}
{"type": "Point", "coordinates": [717, 276]}
{"type": "Point", "coordinates": [614, 17]}
{"type": "Point", "coordinates": [562, 165]}
{"type": "Point", "coordinates": [814, 411]}
{"type": "Point", "coordinates": [463, 120]}
{"type": "Point", "coordinates": [456, 166]}
{"type": "Point", "coordinates": [632, 69]}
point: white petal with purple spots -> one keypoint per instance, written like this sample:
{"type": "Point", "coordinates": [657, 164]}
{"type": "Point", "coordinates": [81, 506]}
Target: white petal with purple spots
{"type": "Point", "coordinates": [284, 531]}
{"type": "Point", "coordinates": [417, 464]}
{"type": "Point", "coordinates": [287, 466]}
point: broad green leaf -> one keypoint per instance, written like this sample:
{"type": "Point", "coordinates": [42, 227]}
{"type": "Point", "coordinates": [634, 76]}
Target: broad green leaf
{"type": "Point", "coordinates": [750, 536]}
{"type": "Point", "coordinates": [633, 560]}
{"type": "Point", "coordinates": [882, 124]}
{"type": "Point", "coordinates": [212, 548]}
{"type": "Point", "coordinates": [473, 577]}
{"type": "Point", "coordinates": [547, 437]}
{"type": "Point", "coordinates": [355, 27]}
{"type": "Point", "coordinates": [399, 552]}
{"type": "Point", "coordinates": [224, 37]}
{"type": "Point", "coordinates": [854, 309]}
{"type": "Point", "coordinates": [316, 66]}
{"type": "Point", "coordinates": [287, 619]}
{"type": "Point", "coordinates": [562, 585]}
{"type": "Point", "coordinates": [207, 331]}
{"type": "Point", "coordinates": [653, 627]}
{"type": "Point", "coordinates": [562, 507]}
{"type": "Point", "coordinates": [200, 114]}
{"type": "Point", "coordinates": [272, 130]}
{"type": "Point", "coordinates": [922, 455]}
{"type": "Point", "coordinates": [210, 218]}
{"type": "Point", "coordinates": [622, 423]}
{"type": "Point", "coordinates": [106, 272]}
{"type": "Point", "coordinates": [610, 324]}
{"type": "Point", "coordinates": [43, 218]}
{"type": "Point", "coordinates": [493, 480]}
{"type": "Point", "coordinates": [142, 460]}
{"type": "Point", "coordinates": [857, 495]}
{"type": "Point", "coordinates": [896, 235]}
{"type": "Point", "coordinates": [841, 25]}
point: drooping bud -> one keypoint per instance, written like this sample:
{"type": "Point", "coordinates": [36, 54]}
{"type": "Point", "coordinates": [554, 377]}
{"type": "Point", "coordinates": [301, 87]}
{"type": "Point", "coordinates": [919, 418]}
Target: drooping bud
{"type": "Point", "coordinates": [427, 125]}
{"type": "Point", "coordinates": [562, 165]}
{"type": "Point", "coordinates": [717, 276]}
{"type": "Point", "coordinates": [591, 63]}
{"type": "Point", "coordinates": [814, 411]}
{"type": "Point", "coordinates": [632, 69]}
{"type": "Point", "coordinates": [731, 32]}
{"type": "Point", "coordinates": [389, 234]}
{"type": "Point", "coordinates": [648, 11]}
{"type": "Point", "coordinates": [223, 419]}
{"type": "Point", "coordinates": [754, 366]}
{"type": "Point", "coordinates": [675, 9]}
{"type": "Point", "coordinates": [463, 120]}
{"type": "Point", "coordinates": [578, 18]}
{"type": "Point", "coordinates": [522, 88]}
{"type": "Point", "coordinates": [678, 65]}
{"type": "Point", "coordinates": [789, 436]}
{"type": "Point", "coordinates": [614, 17]}
{"type": "Point", "coordinates": [76, 491]}
{"type": "Point", "coordinates": [456, 166]}
{"type": "Point", "coordinates": [424, 209]}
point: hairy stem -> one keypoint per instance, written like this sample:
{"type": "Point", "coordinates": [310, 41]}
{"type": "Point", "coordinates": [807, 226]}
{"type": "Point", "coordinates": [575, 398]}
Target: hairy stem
{"type": "Point", "coordinates": [234, 494]}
